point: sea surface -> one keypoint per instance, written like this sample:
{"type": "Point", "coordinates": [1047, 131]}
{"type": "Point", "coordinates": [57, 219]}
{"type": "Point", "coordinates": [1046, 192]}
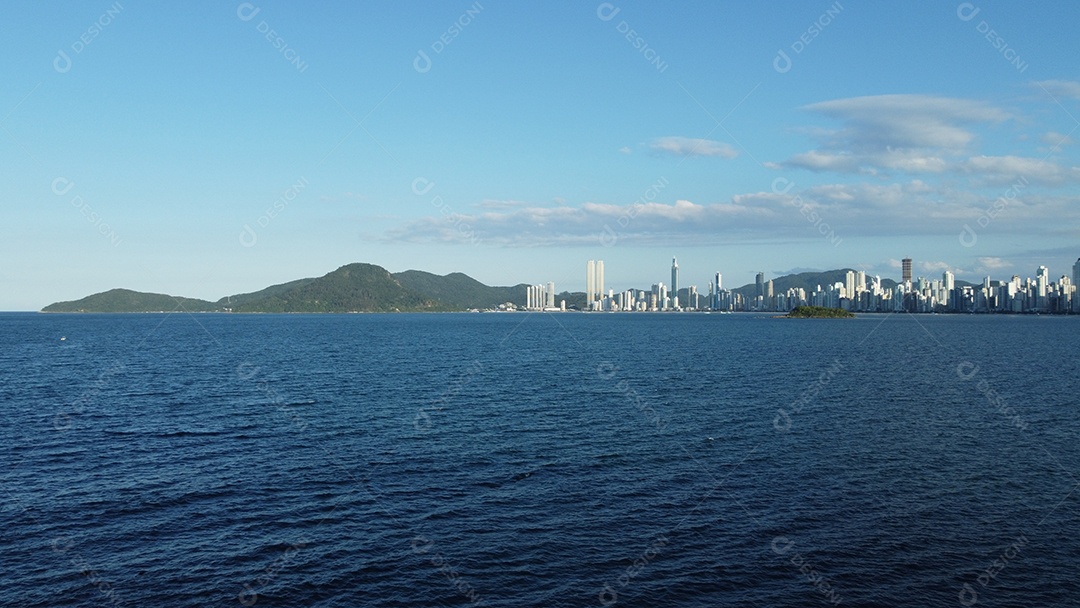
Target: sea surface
{"type": "Point", "coordinates": [539, 460]}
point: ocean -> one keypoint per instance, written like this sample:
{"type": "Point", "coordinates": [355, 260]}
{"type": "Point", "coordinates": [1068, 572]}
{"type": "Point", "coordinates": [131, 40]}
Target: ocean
{"type": "Point", "coordinates": [539, 460]}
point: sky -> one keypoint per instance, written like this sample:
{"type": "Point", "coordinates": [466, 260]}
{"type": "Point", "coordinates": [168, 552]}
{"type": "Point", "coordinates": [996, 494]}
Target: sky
{"type": "Point", "coordinates": [211, 148]}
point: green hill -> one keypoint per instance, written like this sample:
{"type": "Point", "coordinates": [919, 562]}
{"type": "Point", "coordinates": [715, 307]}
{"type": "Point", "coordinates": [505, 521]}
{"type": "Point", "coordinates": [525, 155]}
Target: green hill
{"type": "Point", "coordinates": [126, 300]}
{"type": "Point", "coordinates": [351, 288]}
{"type": "Point", "coordinates": [247, 298]}
{"type": "Point", "coordinates": [459, 291]}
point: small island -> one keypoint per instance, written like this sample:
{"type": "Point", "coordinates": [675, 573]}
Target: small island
{"type": "Point", "coordinates": [818, 312]}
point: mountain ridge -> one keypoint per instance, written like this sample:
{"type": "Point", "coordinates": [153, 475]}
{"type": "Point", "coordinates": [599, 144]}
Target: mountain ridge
{"type": "Point", "coordinates": [361, 287]}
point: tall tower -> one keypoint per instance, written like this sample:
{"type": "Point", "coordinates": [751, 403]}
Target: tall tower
{"type": "Point", "coordinates": [1076, 286]}
{"type": "Point", "coordinates": [674, 278]}
{"type": "Point", "coordinates": [906, 263]}
{"type": "Point", "coordinates": [600, 282]}
{"type": "Point", "coordinates": [761, 284]}
{"type": "Point", "coordinates": [590, 283]}
{"type": "Point", "coordinates": [1042, 282]}
{"type": "Point", "coordinates": [551, 294]}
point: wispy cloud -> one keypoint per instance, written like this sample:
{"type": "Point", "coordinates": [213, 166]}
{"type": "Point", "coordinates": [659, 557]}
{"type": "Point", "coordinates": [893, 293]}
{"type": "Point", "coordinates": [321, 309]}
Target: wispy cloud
{"type": "Point", "coordinates": [1060, 88]}
{"type": "Point", "coordinates": [1056, 140]}
{"type": "Point", "coordinates": [686, 146]}
{"type": "Point", "coordinates": [912, 208]}
{"type": "Point", "coordinates": [923, 135]}
{"type": "Point", "coordinates": [498, 204]}
{"type": "Point", "coordinates": [990, 264]}
{"type": "Point", "coordinates": [1000, 170]}
{"type": "Point", "coordinates": [885, 122]}
{"type": "Point", "coordinates": [905, 133]}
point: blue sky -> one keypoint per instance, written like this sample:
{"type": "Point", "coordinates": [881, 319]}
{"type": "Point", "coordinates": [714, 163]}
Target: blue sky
{"type": "Point", "coordinates": [205, 149]}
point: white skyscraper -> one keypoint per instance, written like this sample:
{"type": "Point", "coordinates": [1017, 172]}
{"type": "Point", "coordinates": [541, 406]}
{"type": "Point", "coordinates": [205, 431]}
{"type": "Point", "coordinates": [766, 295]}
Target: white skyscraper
{"type": "Point", "coordinates": [948, 282]}
{"type": "Point", "coordinates": [594, 284]}
{"type": "Point", "coordinates": [550, 294]}
{"type": "Point", "coordinates": [675, 282]}
{"type": "Point", "coordinates": [600, 281]}
{"type": "Point", "coordinates": [590, 284]}
{"type": "Point", "coordinates": [1042, 282]}
{"type": "Point", "coordinates": [1076, 286]}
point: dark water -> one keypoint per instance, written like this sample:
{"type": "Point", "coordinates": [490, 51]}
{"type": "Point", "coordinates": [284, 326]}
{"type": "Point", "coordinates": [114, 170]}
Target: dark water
{"type": "Point", "coordinates": [538, 460]}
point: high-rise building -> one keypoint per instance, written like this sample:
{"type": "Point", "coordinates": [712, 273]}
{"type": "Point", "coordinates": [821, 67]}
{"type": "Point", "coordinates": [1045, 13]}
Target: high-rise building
{"type": "Point", "coordinates": [1076, 286]}
{"type": "Point", "coordinates": [720, 278]}
{"type": "Point", "coordinates": [594, 284]}
{"type": "Point", "coordinates": [675, 281]}
{"type": "Point", "coordinates": [1042, 281]}
{"type": "Point", "coordinates": [590, 284]}
{"type": "Point", "coordinates": [760, 281]}
{"type": "Point", "coordinates": [600, 282]}
{"type": "Point", "coordinates": [537, 297]}
{"type": "Point", "coordinates": [948, 283]}
{"type": "Point", "coordinates": [906, 265]}
{"type": "Point", "coordinates": [849, 284]}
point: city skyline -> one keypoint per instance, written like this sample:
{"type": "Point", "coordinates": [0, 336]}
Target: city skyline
{"type": "Point", "coordinates": [859, 292]}
{"type": "Point", "coordinates": [459, 137]}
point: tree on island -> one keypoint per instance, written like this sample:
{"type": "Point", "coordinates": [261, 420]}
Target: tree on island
{"type": "Point", "coordinates": [818, 312]}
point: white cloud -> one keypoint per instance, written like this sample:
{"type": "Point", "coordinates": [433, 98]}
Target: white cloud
{"type": "Point", "coordinates": [867, 209]}
{"type": "Point", "coordinates": [686, 146]}
{"type": "Point", "coordinates": [625, 150]}
{"type": "Point", "coordinates": [885, 122]}
{"type": "Point", "coordinates": [907, 133]}
{"type": "Point", "coordinates": [1000, 170]}
{"type": "Point", "coordinates": [935, 267]}
{"type": "Point", "coordinates": [1060, 88]}
{"type": "Point", "coordinates": [1056, 140]}
{"type": "Point", "coordinates": [815, 160]}
{"type": "Point", "coordinates": [988, 264]}
{"type": "Point", "coordinates": [497, 204]}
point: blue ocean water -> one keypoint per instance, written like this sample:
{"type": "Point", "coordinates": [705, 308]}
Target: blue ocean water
{"type": "Point", "coordinates": [539, 460]}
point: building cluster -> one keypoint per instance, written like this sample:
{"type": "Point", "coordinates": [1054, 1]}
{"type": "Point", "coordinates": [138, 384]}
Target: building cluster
{"type": "Point", "coordinates": [857, 293]}
{"type": "Point", "coordinates": [541, 297]}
